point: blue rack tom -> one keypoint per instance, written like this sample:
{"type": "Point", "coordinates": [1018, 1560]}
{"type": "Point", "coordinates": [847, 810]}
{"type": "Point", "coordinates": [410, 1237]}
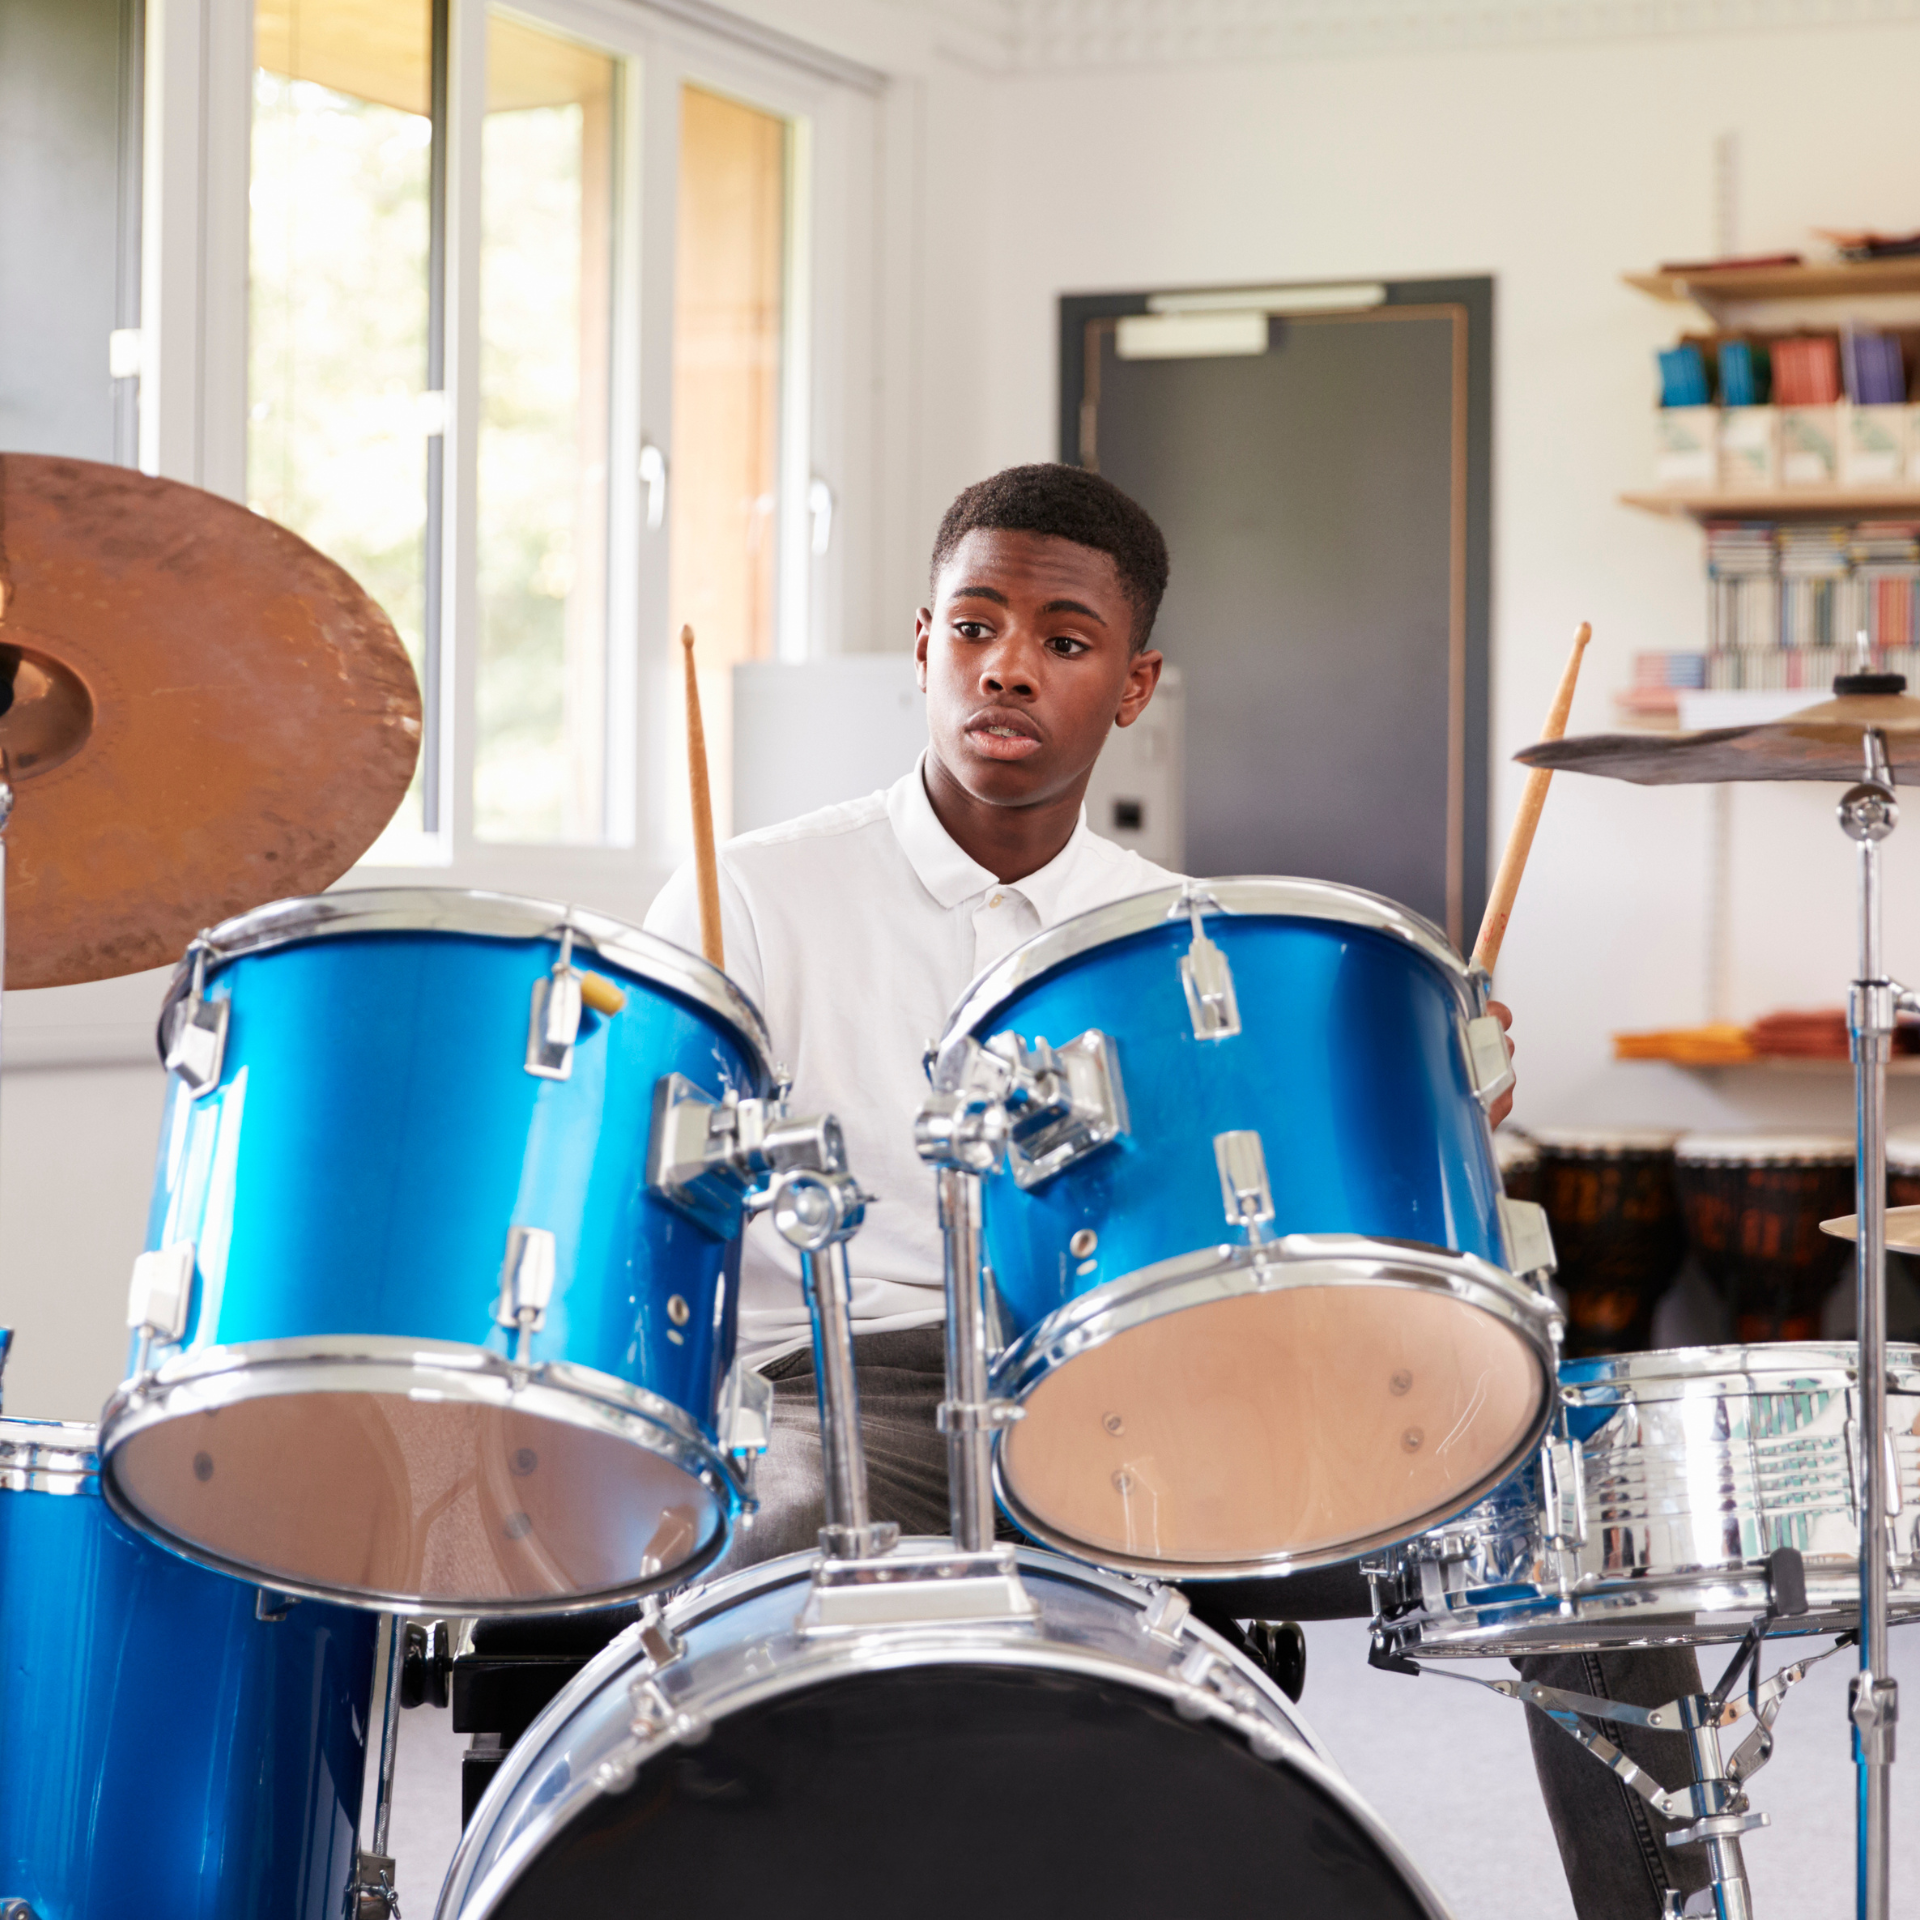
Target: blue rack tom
{"type": "Point", "coordinates": [1255, 1300]}
{"type": "Point", "coordinates": [412, 1328]}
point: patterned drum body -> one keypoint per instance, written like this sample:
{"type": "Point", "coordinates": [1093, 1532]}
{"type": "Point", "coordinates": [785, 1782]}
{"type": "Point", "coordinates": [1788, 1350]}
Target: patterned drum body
{"type": "Point", "coordinates": [1617, 1231]}
{"type": "Point", "coordinates": [1753, 1205]}
{"type": "Point", "coordinates": [352, 1406]}
{"type": "Point", "coordinates": [1650, 1522]}
{"type": "Point", "coordinates": [1222, 1385]}
{"type": "Point", "coordinates": [1082, 1761]}
{"type": "Point", "coordinates": [170, 1755]}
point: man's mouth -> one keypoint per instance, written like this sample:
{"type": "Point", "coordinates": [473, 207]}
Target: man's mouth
{"type": "Point", "coordinates": [1001, 738]}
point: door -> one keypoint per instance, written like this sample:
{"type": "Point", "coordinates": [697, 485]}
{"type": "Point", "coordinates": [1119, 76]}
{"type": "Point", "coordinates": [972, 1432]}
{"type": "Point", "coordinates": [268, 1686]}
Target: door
{"type": "Point", "coordinates": [1321, 477]}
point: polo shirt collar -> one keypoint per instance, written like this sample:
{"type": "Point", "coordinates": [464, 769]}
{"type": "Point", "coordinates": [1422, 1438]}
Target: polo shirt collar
{"type": "Point", "coordinates": [952, 875]}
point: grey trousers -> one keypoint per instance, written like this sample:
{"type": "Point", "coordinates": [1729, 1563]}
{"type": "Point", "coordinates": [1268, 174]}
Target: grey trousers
{"type": "Point", "coordinates": [1609, 1838]}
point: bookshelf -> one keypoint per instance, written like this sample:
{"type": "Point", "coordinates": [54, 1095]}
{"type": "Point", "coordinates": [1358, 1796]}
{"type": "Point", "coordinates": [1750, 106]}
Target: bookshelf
{"type": "Point", "coordinates": [1817, 503]}
{"type": "Point", "coordinates": [1904, 1067]}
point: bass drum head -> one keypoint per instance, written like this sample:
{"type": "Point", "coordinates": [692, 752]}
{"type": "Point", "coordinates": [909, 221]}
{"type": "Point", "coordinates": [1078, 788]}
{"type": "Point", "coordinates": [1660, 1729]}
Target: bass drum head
{"type": "Point", "coordinates": [966, 1791]}
{"type": "Point", "coordinates": [948, 1770]}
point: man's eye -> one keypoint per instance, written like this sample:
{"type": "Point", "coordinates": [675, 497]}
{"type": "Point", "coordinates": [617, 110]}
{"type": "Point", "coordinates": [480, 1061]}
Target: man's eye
{"type": "Point", "coordinates": [970, 629]}
{"type": "Point", "coordinates": [1066, 645]}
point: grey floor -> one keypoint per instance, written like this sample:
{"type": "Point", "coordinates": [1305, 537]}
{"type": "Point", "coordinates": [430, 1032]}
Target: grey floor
{"type": "Point", "coordinates": [1448, 1767]}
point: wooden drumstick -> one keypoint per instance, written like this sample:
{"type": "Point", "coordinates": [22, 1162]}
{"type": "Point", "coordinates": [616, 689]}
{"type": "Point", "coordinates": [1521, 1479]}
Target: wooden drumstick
{"type": "Point", "coordinates": [1513, 863]}
{"type": "Point", "coordinates": [704, 864]}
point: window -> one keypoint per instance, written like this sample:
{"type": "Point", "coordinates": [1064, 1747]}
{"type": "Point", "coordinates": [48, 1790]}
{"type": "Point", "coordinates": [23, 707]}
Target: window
{"type": "Point", "coordinates": [530, 298]}
{"type": "Point", "coordinates": [338, 242]}
{"type": "Point", "coordinates": [546, 314]}
{"type": "Point", "coordinates": [728, 340]}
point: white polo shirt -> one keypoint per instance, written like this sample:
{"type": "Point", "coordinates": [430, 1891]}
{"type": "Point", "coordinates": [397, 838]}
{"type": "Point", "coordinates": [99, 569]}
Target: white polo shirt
{"type": "Point", "coordinates": [855, 930]}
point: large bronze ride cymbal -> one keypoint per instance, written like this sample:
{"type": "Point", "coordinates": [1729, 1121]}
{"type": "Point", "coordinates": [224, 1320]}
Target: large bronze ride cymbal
{"type": "Point", "coordinates": [201, 714]}
{"type": "Point", "coordinates": [1822, 742]}
{"type": "Point", "coordinates": [1903, 1228]}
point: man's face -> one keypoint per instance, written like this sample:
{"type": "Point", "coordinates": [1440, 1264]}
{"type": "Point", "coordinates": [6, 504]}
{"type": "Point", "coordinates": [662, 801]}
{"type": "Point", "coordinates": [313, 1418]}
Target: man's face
{"type": "Point", "coordinates": [1026, 661]}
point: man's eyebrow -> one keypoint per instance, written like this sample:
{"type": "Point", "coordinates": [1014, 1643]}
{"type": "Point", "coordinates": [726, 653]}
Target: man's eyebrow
{"type": "Point", "coordinates": [999, 599]}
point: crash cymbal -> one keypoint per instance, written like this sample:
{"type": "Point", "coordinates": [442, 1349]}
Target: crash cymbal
{"type": "Point", "coordinates": [1822, 742]}
{"type": "Point", "coordinates": [1903, 1228]}
{"type": "Point", "coordinates": [199, 712]}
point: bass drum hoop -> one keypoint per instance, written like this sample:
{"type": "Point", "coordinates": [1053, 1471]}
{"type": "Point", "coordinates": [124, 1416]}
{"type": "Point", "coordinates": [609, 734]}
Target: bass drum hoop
{"type": "Point", "coordinates": [806, 1663]}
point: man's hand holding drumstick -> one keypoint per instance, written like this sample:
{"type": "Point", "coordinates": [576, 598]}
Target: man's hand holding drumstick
{"type": "Point", "coordinates": [1513, 863]}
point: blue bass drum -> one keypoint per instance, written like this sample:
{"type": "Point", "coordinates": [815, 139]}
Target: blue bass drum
{"type": "Point", "coordinates": [1252, 1272]}
{"type": "Point", "coordinates": [171, 1755]}
{"type": "Point", "coordinates": [413, 1328]}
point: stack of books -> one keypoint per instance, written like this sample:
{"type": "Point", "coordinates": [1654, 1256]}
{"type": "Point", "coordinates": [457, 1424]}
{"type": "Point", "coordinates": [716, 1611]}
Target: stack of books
{"type": "Point", "coordinates": [1872, 363]}
{"type": "Point", "coordinates": [1785, 604]}
{"type": "Point", "coordinates": [1743, 586]}
{"type": "Point", "coordinates": [1806, 371]}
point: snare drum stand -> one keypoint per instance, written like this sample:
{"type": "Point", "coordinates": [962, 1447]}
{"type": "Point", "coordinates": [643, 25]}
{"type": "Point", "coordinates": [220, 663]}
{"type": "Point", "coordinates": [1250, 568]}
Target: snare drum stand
{"type": "Point", "coordinates": [1867, 815]}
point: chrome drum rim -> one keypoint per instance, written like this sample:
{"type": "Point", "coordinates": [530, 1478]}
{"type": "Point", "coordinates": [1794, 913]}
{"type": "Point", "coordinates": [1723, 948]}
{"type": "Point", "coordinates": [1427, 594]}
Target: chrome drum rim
{"type": "Point", "coordinates": [443, 1370]}
{"type": "Point", "coordinates": [487, 916]}
{"type": "Point", "coordinates": [685, 1696]}
{"type": "Point", "coordinates": [1220, 1273]}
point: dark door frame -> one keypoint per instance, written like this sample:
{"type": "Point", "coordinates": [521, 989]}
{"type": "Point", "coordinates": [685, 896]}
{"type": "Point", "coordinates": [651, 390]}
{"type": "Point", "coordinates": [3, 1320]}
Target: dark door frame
{"type": "Point", "coordinates": [1468, 304]}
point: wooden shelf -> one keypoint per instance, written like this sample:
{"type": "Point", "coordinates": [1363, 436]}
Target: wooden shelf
{"type": "Point", "coordinates": [1785, 503]}
{"type": "Point", "coordinates": [1905, 1067]}
{"type": "Point", "coordinates": [1781, 283]}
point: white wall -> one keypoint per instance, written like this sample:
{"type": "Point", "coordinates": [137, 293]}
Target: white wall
{"type": "Point", "coordinates": [1553, 169]}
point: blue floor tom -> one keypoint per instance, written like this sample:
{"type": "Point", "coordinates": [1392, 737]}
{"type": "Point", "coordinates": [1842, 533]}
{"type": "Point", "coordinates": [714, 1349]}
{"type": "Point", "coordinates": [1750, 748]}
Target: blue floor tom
{"type": "Point", "coordinates": [175, 1750]}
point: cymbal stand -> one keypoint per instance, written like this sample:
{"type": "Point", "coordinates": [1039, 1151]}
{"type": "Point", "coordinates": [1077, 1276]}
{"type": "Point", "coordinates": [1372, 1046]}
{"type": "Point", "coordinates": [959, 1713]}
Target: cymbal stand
{"type": "Point", "coordinates": [1867, 815]}
{"type": "Point", "coordinates": [373, 1895]}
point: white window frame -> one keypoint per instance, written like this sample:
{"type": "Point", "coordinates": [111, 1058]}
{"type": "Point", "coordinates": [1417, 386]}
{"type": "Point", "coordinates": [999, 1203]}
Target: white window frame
{"type": "Point", "coordinates": [193, 393]}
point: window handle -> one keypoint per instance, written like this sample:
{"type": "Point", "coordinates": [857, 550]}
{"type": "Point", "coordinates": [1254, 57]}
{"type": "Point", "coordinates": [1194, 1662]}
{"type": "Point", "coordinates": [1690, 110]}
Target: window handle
{"type": "Point", "coordinates": [820, 506]}
{"type": "Point", "coordinates": [653, 476]}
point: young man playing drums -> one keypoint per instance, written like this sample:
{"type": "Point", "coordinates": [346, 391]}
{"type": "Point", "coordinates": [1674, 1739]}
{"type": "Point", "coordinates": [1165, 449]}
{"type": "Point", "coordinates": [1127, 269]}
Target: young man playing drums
{"type": "Point", "coordinates": [856, 929]}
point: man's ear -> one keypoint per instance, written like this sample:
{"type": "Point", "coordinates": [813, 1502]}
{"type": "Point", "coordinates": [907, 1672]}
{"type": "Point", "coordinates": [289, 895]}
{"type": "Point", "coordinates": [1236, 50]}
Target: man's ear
{"type": "Point", "coordinates": [1143, 675]}
{"type": "Point", "coordinates": [922, 633]}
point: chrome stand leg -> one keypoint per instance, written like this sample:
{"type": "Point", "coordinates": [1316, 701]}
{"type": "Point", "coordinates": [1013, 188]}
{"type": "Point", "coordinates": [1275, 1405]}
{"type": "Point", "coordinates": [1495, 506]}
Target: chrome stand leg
{"type": "Point", "coordinates": [1726, 1863]}
{"type": "Point", "coordinates": [373, 1896]}
{"type": "Point", "coordinates": [817, 1212]}
{"type": "Point", "coordinates": [969, 1441]}
{"type": "Point", "coordinates": [843, 1460]}
{"type": "Point", "coordinates": [1867, 816]}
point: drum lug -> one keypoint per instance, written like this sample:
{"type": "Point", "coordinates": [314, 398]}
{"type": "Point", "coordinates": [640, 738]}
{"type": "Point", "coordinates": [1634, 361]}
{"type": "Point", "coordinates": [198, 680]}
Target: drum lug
{"type": "Point", "coordinates": [553, 1024]}
{"type": "Point", "coordinates": [1207, 980]}
{"type": "Point", "coordinates": [1166, 1615]}
{"type": "Point", "coordinates": [1488, 1060]}
{"type": "Point", "coordinates": [1245, 1189]}
{"type": "Point", "coordinates": [160, 1298]}
{"type": "Point", "coordinates": [526, 1286]}
{"type": "Point", "coordinates": [196, 1044]}
{"type": "Point", "coordinates": [746, 1413]}
{"type": "Point", "coordinates": [1529, 1237]}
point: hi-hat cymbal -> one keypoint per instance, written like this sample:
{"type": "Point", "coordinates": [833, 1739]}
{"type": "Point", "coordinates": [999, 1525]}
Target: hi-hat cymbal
{"type": "Point", "coordinates": [199, 713]}
{"type": "Point", "coordinates": [1903, 1228]}
{"type": "Point", "coordinates": [1823, 742]}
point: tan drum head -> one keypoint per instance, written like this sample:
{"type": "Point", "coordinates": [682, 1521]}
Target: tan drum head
{"type": "Point", "coordinates": [449, 1504]}
{"type": "Point", "coordinates": [1310, 1420]}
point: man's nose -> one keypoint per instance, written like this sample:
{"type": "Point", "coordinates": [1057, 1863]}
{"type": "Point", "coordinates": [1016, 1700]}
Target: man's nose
{"type": "Point", "coordinates": [1006, 670]}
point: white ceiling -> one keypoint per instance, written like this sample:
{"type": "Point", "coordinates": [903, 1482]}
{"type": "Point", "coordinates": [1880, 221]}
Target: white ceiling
{"type": "Point", "coordinates": [1064, 35]}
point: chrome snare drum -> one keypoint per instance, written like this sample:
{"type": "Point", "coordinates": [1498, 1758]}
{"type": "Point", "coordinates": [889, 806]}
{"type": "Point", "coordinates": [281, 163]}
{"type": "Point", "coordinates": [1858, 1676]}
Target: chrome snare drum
{"type": "Point", "coordinates": [1107, 1754]}
{"type": "Point", "coordinates": [174, 1749]}
{"type": "Point", "coordinates": [1650, 1520]}
{"type": "Point", "coordinates": [1252, 1273]}
{"type": "Point", "coordinates": [417, 1323]}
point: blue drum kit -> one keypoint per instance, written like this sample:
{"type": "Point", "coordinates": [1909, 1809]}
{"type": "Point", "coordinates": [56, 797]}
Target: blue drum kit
{"type": "Point", "coordinates": [435, 1322]}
